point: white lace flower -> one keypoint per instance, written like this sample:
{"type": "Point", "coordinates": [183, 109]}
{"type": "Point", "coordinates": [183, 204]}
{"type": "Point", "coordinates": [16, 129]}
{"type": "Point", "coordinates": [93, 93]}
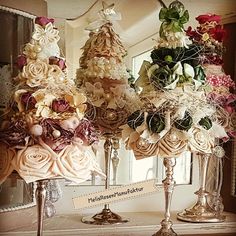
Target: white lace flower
{"type": "Point", "coordinates": [45, 35]}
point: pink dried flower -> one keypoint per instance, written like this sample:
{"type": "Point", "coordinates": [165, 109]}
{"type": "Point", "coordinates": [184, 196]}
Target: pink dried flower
{"type": "Point", "coordinates": [56, 143]}
{"type": "Point", "coordinates": [28, 100]}
{"type": "Point", "coordinates": [14, 134]}
{"type": "Point", "coordinates": [86, 132]}
{"type": "Point", "coordinates": [60, 105]}
{"type": "Point", "coordinates": [21, 61]}
{"type": "Point", "coordinates": [57, 61]}
{"type": "Point", "coordinates": [42, 20]}
{"type": "Point", "coordinates": [208, 18]}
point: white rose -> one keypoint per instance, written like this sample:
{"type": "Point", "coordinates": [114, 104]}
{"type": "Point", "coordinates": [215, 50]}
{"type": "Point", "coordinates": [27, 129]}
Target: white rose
{"type": "Point", "coordinates": [200, 140]}
{"type": "Point", "coordinates": [34, 163]}
{"type": "Point", "coordinates": [35, 73]}
{"type": "Point", "coordinates": [76, 164]}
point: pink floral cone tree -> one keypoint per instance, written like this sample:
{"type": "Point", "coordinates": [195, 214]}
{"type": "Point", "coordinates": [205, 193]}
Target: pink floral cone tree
{"type": "Point", "coordinates": [43, 132]}
{"type": "Point", "coordinates": [220, 91]}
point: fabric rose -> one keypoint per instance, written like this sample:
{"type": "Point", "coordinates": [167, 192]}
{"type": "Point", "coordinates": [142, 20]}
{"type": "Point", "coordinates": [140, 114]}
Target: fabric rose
{"type": "Point", "coordinates": [143, 149]}
{"type": "Point", "coordinates": [173, 144]}
{"type": "Point", "coordinates": [208, 18]}
{"type": "Point", "coordinates": [76, 164]}
{"type": "Point", "coordinates": [33, 163]}
{"type": "Point", "coordinates": [21, 61]}
{"type": "Point", "coordinates": [28, 101]}
{"type": "Point", "coordinates": [14, 134]}
{"type": "Point", "coordinates": [86, 132]}
{"type": "Point", "coordinates": [45, 35]}
{"type": "Point", "coordinates": [35, 73]}
{"type": "Point", "coordinates": [135, 119]}
{"type": "Point", "coordinates": [60, 105]}
{"type": "Point", "coordinates": [155, 122]}
{"type": "Point", "coordinates": [185, 123]}
{"type": "Point", "coordinates": [206, 122]}
{"type": "Point", "coordinates": [200, 140]}
{"type": "Point", "coordinates": [54, 135]}
{"type": "Point", "coordinates": [43, 20]}
{"type": "Point", "coordinates": [57, 61]}
{"type": "Point", "coordinates": [6, 156]}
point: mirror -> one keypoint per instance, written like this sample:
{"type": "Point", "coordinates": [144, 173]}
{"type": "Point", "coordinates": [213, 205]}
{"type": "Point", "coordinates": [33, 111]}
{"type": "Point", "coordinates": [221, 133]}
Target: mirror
{"type": "Point", "coordinates": [16, 28]}
{"type": "Point", "coordinates": [16, 194]}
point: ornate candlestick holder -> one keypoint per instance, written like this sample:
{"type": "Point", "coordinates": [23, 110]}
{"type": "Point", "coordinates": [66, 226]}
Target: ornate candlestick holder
{"type": "Point", "coordinates": [201, 211]}
{"type": "Point", "coordinates": [168, 183]}
{"type": "Point", "coordinates": [106, 216]}
{"type": "Point", "coordinates": [40, 195]}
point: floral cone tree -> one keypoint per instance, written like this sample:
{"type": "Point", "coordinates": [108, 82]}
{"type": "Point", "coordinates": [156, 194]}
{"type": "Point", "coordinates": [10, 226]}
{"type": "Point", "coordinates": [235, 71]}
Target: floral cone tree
{"type": "Point", "coordinates": [104, 78]}
{"type": "Point", "coordinates": [177, 116]}
{"type": "Point", "coordinates": [220, 88]}
{"type": "Point", "coordinates": [43, 132]}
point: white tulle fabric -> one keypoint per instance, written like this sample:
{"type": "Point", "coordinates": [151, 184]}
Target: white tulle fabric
{"type": "Point", "coordinates": [39, 162]}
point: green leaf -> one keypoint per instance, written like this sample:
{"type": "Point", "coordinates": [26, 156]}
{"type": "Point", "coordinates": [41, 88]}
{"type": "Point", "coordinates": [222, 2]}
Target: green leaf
{"type": "Point", "coordinates": [163, 14]}
{"type": "Point", "coordinates": [173, 14]}
{"type": "Point", "coordinates": [184, 18]}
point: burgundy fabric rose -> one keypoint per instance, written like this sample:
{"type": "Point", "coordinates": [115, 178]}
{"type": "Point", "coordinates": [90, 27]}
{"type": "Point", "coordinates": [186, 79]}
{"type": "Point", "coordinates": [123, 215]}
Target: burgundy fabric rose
{"type": "Point", "coordinates": [28, 100]}
{"type": "Point", "coordinates": [86, 132]}
{"type": "Point", "coordinates": [208, 18]}
{"type": "Point", "coordinates": [60, 105]}
{"type": "Point", "coordinates": [57, 61]}
{"type": "Point", "coordinates": [14, 134]}
{"type": "Point", "coordinates": [56, 143]}
{"type": "Point", "coordinates": [21, 61]}
{"type": "Point", "coordinates": [42, 20]}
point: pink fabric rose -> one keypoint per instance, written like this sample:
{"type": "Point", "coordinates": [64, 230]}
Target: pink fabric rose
{"type": "Point", "coordinates": [42, 20]}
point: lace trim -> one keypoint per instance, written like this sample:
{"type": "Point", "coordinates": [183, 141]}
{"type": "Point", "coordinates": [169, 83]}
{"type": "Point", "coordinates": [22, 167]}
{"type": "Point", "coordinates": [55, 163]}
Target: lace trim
{"type": "Point", "coordinates": [18, 12]}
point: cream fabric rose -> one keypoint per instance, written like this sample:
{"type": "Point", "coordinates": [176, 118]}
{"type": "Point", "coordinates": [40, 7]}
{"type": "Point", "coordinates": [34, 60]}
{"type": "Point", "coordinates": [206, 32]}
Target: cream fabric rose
{"type": "Point", "coordinates": [35, 73]}
{"type": "Point", "coordinates": [200, 140]}
{"type": "Point", "coordinates": [33, 163]}
{"type": "Point", "coordinates": [76, 164]}
{"type": "Point", "coordinates": [173, 144]}
{"type": "Point", "coordinates": [6, 157]}
{"type": "Point", "coordinates": [143, 149]}
{"type": "Point", "coordinates": [45, 35]}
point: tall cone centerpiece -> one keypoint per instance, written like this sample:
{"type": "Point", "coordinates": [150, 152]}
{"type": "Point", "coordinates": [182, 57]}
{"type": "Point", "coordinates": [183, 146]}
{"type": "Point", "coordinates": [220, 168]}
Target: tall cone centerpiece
{"type": "Point", "coordinates": [104, 78]}
{"type": "Point", "coordinates": [177, 116]}
{"type": "Point", "coordinates": [210, 35]}
{"type": "Point", "coordinates": [42, 134]}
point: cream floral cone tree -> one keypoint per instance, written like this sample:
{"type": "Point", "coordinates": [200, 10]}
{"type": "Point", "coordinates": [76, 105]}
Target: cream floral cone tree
{"type": "Point", "coordinates": [43, 132]}
{"type": "Point", "coordinates": [104, 77]}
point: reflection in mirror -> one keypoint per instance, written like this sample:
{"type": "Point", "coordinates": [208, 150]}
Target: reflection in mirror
{"type": "Point", "coordinates": [130, 170]}
{"type": "Point", "coordinates": [16, 194]}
